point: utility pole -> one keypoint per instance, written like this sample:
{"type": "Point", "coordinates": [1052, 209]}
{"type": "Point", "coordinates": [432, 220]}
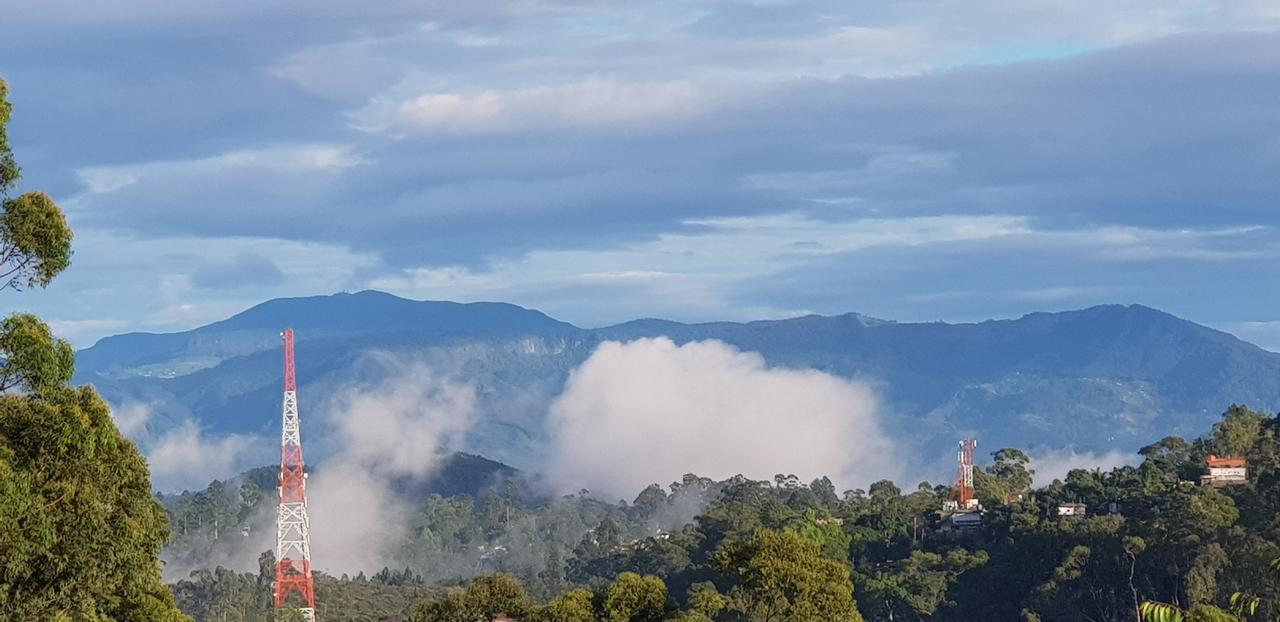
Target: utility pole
{"type": "Point", "coordinates": [293, 538]}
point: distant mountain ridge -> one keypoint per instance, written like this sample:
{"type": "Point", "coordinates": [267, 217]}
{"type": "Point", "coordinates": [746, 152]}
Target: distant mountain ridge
{"type": "Point", "coordinates": [340, 315]}
{"type": "Point", "coordinates": [1098, 378]}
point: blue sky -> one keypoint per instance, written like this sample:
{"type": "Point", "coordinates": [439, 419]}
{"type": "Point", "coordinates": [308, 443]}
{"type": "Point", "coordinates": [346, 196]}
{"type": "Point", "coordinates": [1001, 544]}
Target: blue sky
{"type": "Point", "coordinates": [696, 160]}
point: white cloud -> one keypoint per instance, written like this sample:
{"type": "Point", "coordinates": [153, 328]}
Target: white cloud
{"type": "Point", "coordinates": [185, 458]}
{"type": "Point", "coordinates": [71, 329]}
{"type": "Point", "coordinates": [283, 159]}
{"type": "Point", "coordinates": [720, 249]}
{"type": "Point", "coordinates": [693, 274]}
{"type": "Point", "coordinates": [398, 429]}
{"type": "Point", "coordinates": [131, 417]}
{"type": "Point", "coordinates": [649, 411]}
{"type": "Point", "coordinates": [595, 102]}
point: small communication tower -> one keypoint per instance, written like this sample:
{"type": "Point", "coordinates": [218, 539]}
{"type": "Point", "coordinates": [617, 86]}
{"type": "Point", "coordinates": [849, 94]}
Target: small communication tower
{"type": "Point", "coordinates": [293, 532]}
{"type": "Point", "coordinates": [962, 496]}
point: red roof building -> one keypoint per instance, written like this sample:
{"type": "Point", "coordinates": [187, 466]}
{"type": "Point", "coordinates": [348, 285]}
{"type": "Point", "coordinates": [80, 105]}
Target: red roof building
{"type": "Point", "coordinates": [1225, 471]}
{"type": "Point", "coordinates": [1226, 462]}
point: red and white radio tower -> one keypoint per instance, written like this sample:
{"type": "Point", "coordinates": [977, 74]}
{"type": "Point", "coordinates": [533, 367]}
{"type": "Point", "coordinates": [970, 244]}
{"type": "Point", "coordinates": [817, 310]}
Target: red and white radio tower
{"type": "Point", "coordinates": [962, 494]}
{"type": "Point", "coordinates": [293, 539]}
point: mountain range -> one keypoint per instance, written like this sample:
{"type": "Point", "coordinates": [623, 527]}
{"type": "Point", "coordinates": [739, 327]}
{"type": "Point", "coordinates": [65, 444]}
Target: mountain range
{"type": "Point", "coordinates": [1106, 377]}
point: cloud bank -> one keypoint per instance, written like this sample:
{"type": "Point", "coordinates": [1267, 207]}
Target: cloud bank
{"type": "Point", "coordinates": [394, 430]}
{"type": "Point", "coordinates": [649, 411]}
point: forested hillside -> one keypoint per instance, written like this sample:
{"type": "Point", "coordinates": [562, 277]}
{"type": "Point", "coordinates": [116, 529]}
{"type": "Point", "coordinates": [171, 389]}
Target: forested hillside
{"type": "Point", "coordinates": [741, 550]}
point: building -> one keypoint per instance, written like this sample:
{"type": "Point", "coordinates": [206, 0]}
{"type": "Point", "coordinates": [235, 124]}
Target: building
{"type": "Point", "coordinates": [1225, 471]}
{"type": "Point", "coordinates": [1071, 509]}
{"type": "Point", "coordinates": [960, 523]}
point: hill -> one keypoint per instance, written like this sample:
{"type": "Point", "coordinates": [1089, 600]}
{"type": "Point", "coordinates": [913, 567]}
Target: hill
{"type": "Point", "coordinates": [1099, 378]}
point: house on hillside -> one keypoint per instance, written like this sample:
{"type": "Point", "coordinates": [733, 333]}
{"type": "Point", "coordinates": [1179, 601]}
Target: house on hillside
{"type": "Point", "coordinates": [1225, 471]}
{"type": "Point", "coordinates": [1070, 509]}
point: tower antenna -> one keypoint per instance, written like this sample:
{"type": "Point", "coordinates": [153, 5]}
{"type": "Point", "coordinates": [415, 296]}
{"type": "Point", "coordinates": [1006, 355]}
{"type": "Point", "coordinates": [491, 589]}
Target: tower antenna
{"type": "Point", "coordinates": [962, 493]}
{"type": "Point", "coordinates": [293, 537]}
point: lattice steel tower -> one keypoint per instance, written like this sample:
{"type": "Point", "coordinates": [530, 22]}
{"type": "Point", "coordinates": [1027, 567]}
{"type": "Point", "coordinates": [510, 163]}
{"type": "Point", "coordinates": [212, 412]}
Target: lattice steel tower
{"type": "Point", "coordinates": [962, 494]}
{"type": "Point", "coordinates": [293, 538]}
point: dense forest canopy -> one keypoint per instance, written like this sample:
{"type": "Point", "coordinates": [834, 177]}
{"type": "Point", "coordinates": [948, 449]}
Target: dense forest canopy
{"type": "Point", "coordinates": [740, 550]}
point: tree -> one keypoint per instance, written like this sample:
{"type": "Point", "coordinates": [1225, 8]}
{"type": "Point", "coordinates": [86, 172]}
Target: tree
{"type": "Point", "coordinates": [1006, 479]}
{"type": "Point", "coordinates": [80, 532]}
{"type": "Point", "coordinates": [704, 599]}
{"type": "Point", "coordinates": [650, 500]}
{"type": "Point", "coordinates": [1173, 456]}
{"type": "Point", "coordinates": [31, 358]}
{"type": "Point", "coordinates": [917, 586]}
{"type": "Point", "coordinates": [633, 598]}
{"type": "Point", "coordinates": [783, 577]}
{"type": "Point", "coordinates": [9, 171]}
{"type": "Point", "coordinates": [487, 598]}
{"type": "Point", "coordinates": [1239, 429]}
{"type": "Point", "coordinates": [1202, 579]}
{"type": "Point", "coordinates": [574, 606]}
{"type": "Point", "coordinates": [35, 241]}
{"type": "Point", "coordinates": [831, 538]}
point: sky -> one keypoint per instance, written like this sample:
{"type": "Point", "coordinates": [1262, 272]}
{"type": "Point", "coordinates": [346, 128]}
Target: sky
{"type": "Point", "coordinates": [603, 160]}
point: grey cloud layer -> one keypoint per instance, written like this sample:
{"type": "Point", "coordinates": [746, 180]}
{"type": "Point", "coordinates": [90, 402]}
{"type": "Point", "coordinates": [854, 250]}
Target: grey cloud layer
{"type": "Point", "coordinates": [1175, 132]}
{"type": "Point", "coordinates": [474, 137]}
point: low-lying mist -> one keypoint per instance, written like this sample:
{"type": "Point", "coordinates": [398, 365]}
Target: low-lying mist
{"type": "Point", "coordinates": [182, 456]}
{"type": "Point", "coordinates": [398, 429]}
{"type": "Point", "coordinates": [649, 411]}
{"type": "Point", "coordinates": [633, 414]}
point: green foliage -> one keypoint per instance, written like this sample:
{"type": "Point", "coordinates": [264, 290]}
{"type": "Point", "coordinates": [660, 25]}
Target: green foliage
{"type": "Point", "coordinates": [1163, 612]}
{"type": "Point", "coordinates": [824, 530]}
{"type": "Point", "coordinates": [1191, 513]}
{"type": "Point", "coordinates": [80, 532]}
{"type": "Point", "coordinates": [31, 358]}
{"type": "Point", "coordinates": [574, 606]}
{"type": "Point", "coordinates": [705, 600]}
{"type": "Point", "coordinates": [487, 598]}
{"type": "Point", "coordinates": [79, 529]}
{"type": "Point", "coordinates": [633, 598]}
{"type": "Point", "coordinates": [1005, 480]}
{"type": "Point", "coordinates": [1238, 431]}
{"type": "Point", "coordinates": [9, 171]}
{"type": "Point", "coordinates": [1202, 578]}
{"type": "Point", "coordinates": [918, 585]}
{"type": "Point", "coordinates": [35, 241]}
{"type": "Point", "coordinates": [781, 550]}
{"type": "Point", "coordinates": [247, 597]}
{"type": "Point", "coordinates": [783, 576]}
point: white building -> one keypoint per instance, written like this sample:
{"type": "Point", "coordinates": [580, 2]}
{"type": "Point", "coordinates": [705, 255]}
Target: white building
{"type": "Point", "coordinates": [1071, 509]}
